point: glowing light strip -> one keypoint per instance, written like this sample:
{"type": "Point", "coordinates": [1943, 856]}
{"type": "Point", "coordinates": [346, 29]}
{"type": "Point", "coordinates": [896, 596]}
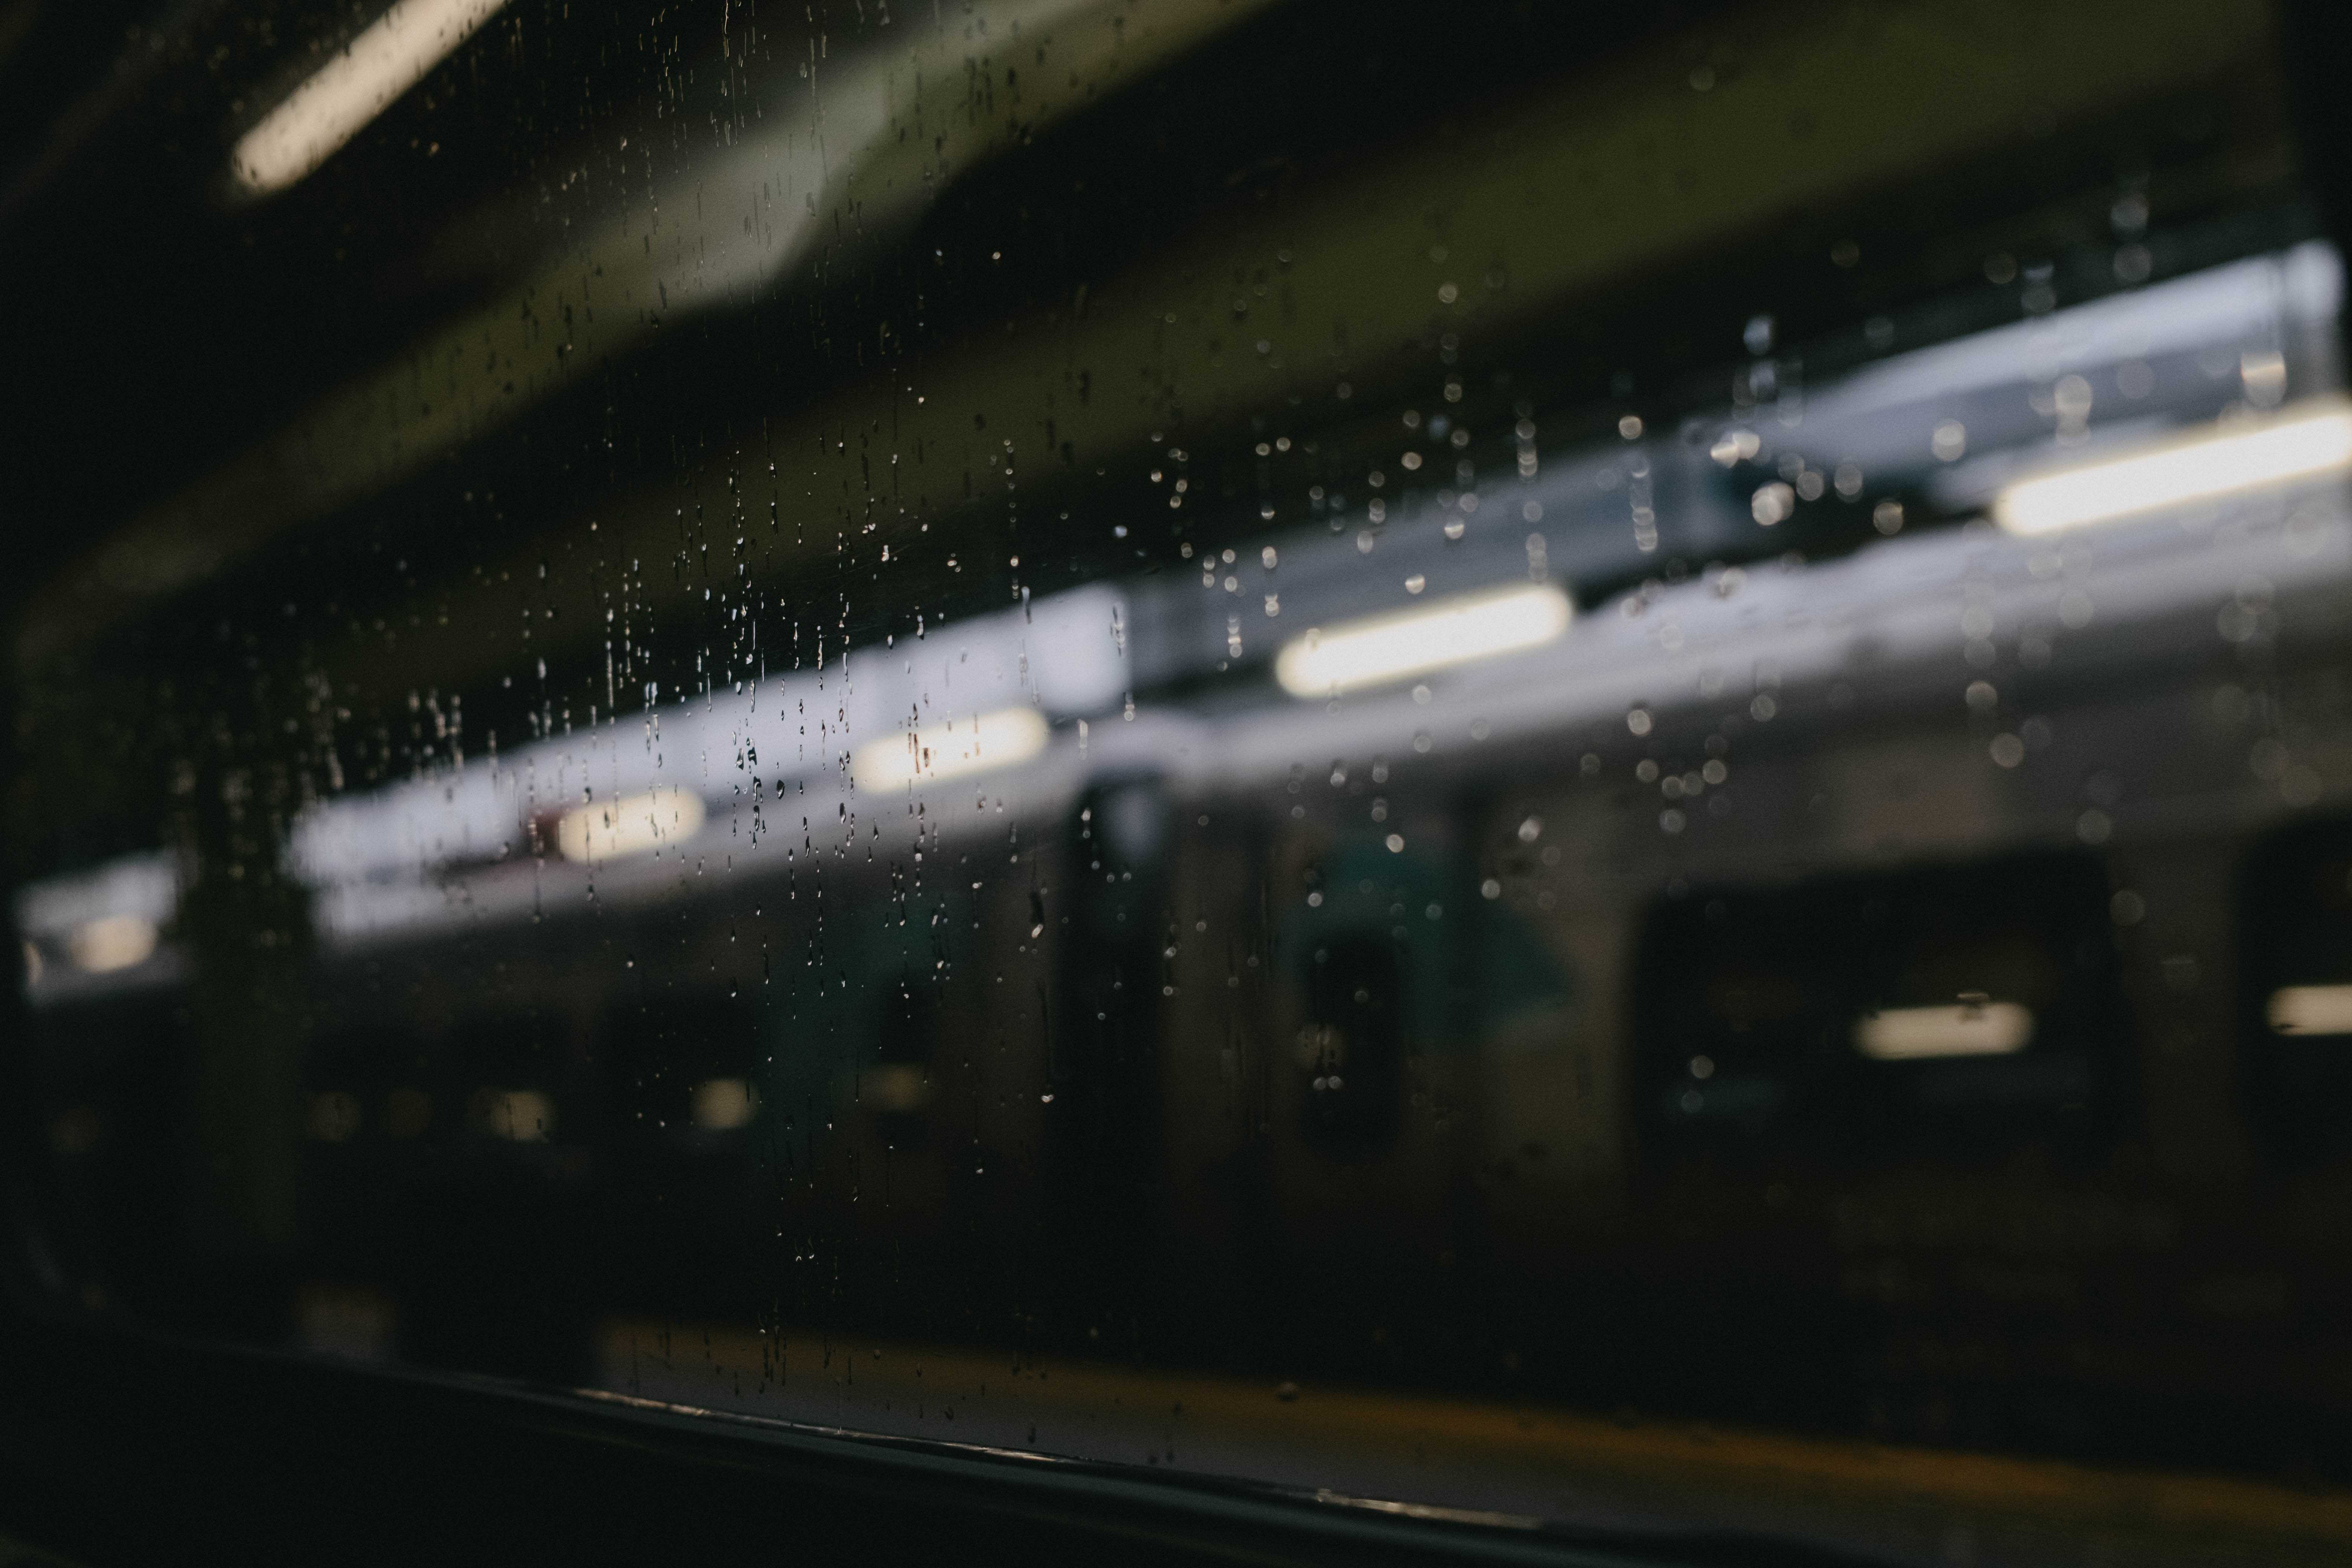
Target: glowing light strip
{"type": "Point", "coordinates": [1963, 1029]}
{"type": "Point", "coordinates": [332, 106]}
{"type": "Point", "coordinates": [2312, 1010]}
{"type": "Point", "coordinates": [1381, 649]}
{"type": "Point", "coordinates": [2227, 461]}
{"type": "Point", "coordinates": [951, 749]}
{"type": "Point", "coordinates": [633, 825]}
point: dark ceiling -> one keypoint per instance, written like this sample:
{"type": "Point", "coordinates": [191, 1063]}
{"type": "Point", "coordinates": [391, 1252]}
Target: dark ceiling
{"type": "Point", "coordinates": [160, 324]}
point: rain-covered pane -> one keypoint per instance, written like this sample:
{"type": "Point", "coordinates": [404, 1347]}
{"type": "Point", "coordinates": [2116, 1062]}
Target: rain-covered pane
{"type": "Point", "coordinates": [1586, 764]}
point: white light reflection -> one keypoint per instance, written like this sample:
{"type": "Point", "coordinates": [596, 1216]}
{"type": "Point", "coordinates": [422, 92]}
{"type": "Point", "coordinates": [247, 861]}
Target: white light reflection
{"type": "Point", "coordinates": [2312, 1010]}
{"type": "Point", "coordinates": [2225, 460]}
{"type": "Point", "coordinates": [1381, 649]}
{"type": "Point", "coordinates": [361, 82]}
{"type": "Point", "coordinates": [1968, 1028]}
{"type": "Point", "coordinates": [953, 748]}
{"type": "Point", "coordinates": [663, 816]}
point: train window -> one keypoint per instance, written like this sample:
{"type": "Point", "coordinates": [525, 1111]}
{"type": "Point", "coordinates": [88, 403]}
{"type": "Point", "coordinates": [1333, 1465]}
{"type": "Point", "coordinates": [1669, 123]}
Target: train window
{"type": "Point", "coordinates": [1939, 1012]}
{"type": "Point", "coordinates": [2295, 899]}
{"type": "Point", "coordinates": [1574, 772]}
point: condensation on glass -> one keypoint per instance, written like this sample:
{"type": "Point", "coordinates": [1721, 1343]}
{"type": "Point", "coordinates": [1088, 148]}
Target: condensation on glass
{"type": "Point", "coordinates": [1624, 796]}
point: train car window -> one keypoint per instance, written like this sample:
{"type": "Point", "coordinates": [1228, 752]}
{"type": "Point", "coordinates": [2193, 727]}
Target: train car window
{"type": "Point", "coordinates": [2295, 900]}
{"type": "Point", "coordinates": [1575, 775]}
{"type": "Point", "coordinates": [1944, 1012]}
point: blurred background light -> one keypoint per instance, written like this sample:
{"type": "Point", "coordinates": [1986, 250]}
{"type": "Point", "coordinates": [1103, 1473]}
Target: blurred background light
{"type": "Point", "coordinates": [332, 106]}
{"type": "Point", "coordinates": [953, 748]}
{"type": "Point", "coordinates": [1381, 649]}
{"type": "Point", "coordinates": [724, 1103]}
{"type": "Point", "coordinates": [522, 1115]}
{"type": "Point", "coordinates": [111, 943]}
{"type": "Point", "coordinates": [2225, 460]}
{"type": "Point", "coordinates": [2311, 1010]}
{"type": "Point", "coordinates": [632, 825]}
{"type": "Point", "coordinates": [1962, 1030]}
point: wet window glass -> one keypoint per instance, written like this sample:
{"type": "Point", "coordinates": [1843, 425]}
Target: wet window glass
{"type": "Point", "coordinates": [1585, 766]}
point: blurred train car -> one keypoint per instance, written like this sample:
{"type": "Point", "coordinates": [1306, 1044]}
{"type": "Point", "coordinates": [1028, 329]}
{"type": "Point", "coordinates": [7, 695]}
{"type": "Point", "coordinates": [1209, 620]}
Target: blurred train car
{"type": "Point", "coordinates": [1795, 971]}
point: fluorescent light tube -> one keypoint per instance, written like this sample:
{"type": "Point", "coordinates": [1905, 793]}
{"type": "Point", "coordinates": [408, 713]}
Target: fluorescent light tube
{"type": "Point", "coordinates": [2312, 1010]}
{"type": "Point", "coordinates": [361, 82]}
{"type": "Point", "coordinates": [951, 749]}
{"type": "Point", "coordinates": [1381, 649]}
{"type": "Point", "coordinates": [1963, 1029]}
{"type": "Point", "coordinates": [633, 825]}
{"type": "Point", "coordinates": [2225, 460]}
